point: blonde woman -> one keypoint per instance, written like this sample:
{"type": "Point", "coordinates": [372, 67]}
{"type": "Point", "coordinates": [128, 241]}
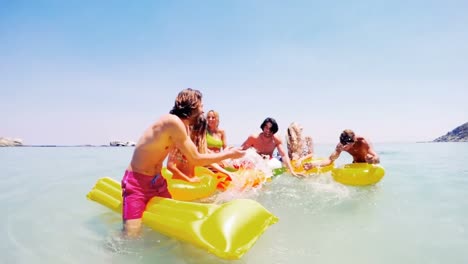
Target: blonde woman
{"type": "Point", "coordinates": [299, 148]}
{"type": "Point", "coordinates": [215, 137]}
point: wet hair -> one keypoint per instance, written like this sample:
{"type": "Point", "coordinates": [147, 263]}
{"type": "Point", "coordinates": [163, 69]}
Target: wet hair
{"type": "Point", "coordinates": [186, 102]}
{"type": "Point", "coordinates": [347, 136]}
{"type": "Point", "coordinates": [274, 125]}
{"type": "Point", "coordinates": [198, 134]}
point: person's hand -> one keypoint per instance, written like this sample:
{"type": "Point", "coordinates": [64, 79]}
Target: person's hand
{"type": "Point", "coordinates": [194, 179]}
{"type": "Point", "coordinates": [308, 166]}
{"type": "Point", "coordinates": [298, 175]}
{"type": "Point", "coordinates": [236, 153]}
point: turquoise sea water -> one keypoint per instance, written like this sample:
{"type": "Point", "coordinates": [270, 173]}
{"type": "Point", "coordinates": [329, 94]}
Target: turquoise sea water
{"type": "Point", "coordinates": [418, 213]}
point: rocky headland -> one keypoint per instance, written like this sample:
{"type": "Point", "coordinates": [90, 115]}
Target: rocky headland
{"type": "Point", "coordinates": [119, 143]}
{"type": "Point", "coordinates": [459, 134]}
{"type": "Point", "coordinates": [10, 142]}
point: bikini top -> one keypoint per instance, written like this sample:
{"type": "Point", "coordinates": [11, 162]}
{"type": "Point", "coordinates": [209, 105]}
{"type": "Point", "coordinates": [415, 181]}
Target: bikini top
{"type": "Point", "coordinates": [179, 156]}
{"type": "Point", "coordinates": [213, 142]}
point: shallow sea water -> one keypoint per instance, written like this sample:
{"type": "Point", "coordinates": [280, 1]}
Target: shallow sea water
{"type": "Point", "coordinates": [416, 214]}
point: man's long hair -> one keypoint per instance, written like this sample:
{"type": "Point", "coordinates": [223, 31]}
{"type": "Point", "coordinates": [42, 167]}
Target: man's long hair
{"type": "Point", "coordinates": [186, 102]}
{"type": "Point", "coordinates": [274, 125]}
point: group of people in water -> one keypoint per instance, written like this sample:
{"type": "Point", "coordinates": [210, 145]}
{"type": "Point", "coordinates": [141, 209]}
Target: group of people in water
{"type": "Point", "coordinates": [188, 138]}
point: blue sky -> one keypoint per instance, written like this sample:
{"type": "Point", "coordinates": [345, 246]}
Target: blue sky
{"type": "Point", "coordinates": [87, 72]}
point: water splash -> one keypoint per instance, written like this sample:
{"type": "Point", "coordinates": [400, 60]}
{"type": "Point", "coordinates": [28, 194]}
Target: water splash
{"type": "Point", "coordinates": [253, 171]}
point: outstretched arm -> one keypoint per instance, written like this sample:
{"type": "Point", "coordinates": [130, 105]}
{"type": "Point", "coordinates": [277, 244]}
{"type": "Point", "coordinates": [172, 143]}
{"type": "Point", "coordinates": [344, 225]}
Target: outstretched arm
{"type": "Point", "coordinates": [308, 156]}
{"type": "Point", "coordinates": [326, 162]}
{"type": "Point", "coordinates": [336, 153]}
{"type": "Point", "coordinates": [285, 157]}
{"type": "Point", "coordinates": [187, 147]}
{"type": "Point", "coordinates": [172, 167]}
{"type": "Point", "coordinates": [218, 167]}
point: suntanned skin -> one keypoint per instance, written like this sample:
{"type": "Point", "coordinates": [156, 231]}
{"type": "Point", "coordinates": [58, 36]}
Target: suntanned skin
{"type": "Point", "coordinates": [153, 147]}
{"type": "Point", "coordinates": [360, 150]}
{"type": "Point", "coordinates": [181, 170]}
{"type": "Point", "coordinates": [265, 143]}
{"type": "Point", "coordinates": [215, 131]}
{"type": "Point", "coordinates": [186, 171]}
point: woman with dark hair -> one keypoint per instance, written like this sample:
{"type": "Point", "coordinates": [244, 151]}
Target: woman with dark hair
{"type": "Point", "coordinates": [267, 141]}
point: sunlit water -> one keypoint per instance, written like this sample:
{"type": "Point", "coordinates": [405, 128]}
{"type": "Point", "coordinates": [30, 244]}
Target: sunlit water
{"type": "Point", "coordinates": [418, 213]}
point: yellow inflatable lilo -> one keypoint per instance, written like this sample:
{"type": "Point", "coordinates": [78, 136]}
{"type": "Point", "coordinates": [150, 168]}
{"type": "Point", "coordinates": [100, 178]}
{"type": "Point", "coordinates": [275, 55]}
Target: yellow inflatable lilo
{"type": "Point", "coordinates": [358, 174]}
{"type": "Point", "coordinates": [298, 168]}
{"type": "Point", "coordinates": [188, 191]}
{"type": "Point", "coordinates": [228, 230]}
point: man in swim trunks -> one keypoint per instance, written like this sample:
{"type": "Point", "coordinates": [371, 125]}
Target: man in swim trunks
{"type": "Point", "coordinates": [142, 180]}
{"type": "Point", "coordinates": [358, 147]}
{"type": "Point", "coordinates": [267, 141]}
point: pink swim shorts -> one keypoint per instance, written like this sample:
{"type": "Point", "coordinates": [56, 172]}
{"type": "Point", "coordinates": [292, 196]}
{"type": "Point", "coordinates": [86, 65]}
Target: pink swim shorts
{"type": "Point", "coordinates": [137, 190]}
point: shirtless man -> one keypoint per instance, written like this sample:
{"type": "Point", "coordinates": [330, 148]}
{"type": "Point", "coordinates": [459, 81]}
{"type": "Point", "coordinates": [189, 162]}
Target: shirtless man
{"type": "Point", "coordinates": [142, 179]}
{"type": "Point", "coordinates": [358, 147]}
{"type": "Point", "coordinates": [266, 142]}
